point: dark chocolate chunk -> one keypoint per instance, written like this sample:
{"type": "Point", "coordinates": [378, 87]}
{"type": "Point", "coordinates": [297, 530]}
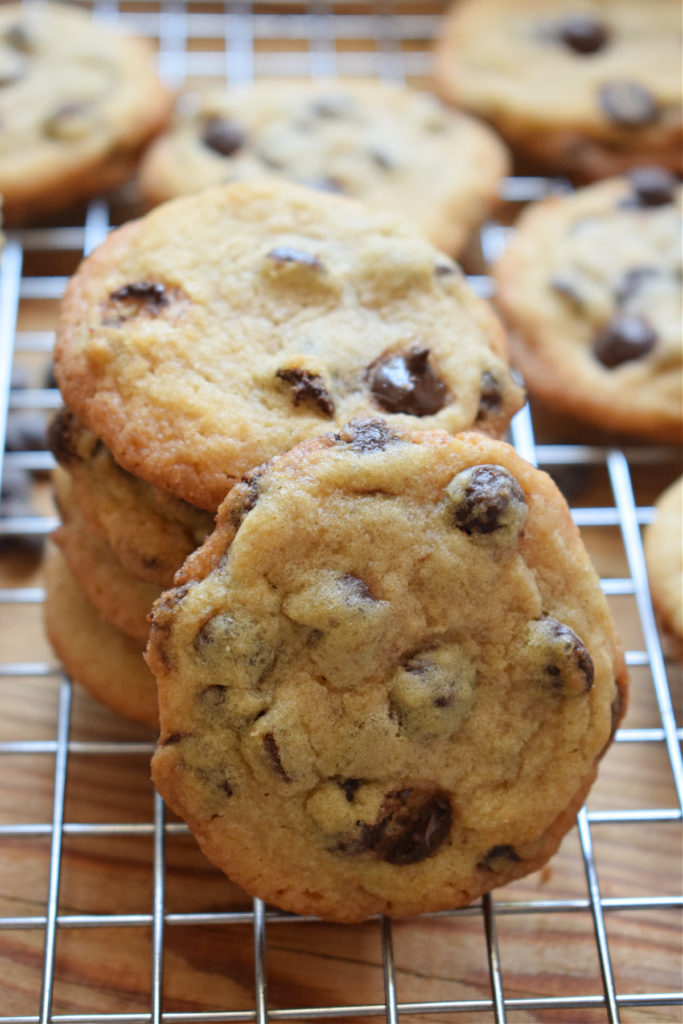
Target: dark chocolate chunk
{"type": "Point", "coordinates": [568, 669]}
{"type": "Point", "coordinates": [583, 34]}
{"type": "Point", "coordinates": [405, 382]}
{"type": "Point", "coordinates": [490, 395]}
{"type": "Point", "coordinates": [60, 436]}
{"type": "Point", "coordinates": [652, 186]}
{"type": "Point", "coordinates": [26, 430]}
{"type": "Point", "coordinates": [150, 295]}
{"type": "Point", "coordinates": [350, 786]}
{"type": "Point", "coordinates": [413, 824]}
{"type": "Point", "coordinates": [284, 254]}
{"type": "Point", "coordinates": [273, 753]}
{"type": "Point", "coordinates": [223, 136]}
{"type": "Point", "coordinates": [623, 339]}
{"type": "Point", "coordinates": [498, 857]}
{"type": "Point", "coordinates": [485, 502]}
{"type": "Point", "coordinates": [368, 435]}
{"type": "Point", "coordinates": [628, 104]}
{"type": "Point", "coordinates": [308, 387]}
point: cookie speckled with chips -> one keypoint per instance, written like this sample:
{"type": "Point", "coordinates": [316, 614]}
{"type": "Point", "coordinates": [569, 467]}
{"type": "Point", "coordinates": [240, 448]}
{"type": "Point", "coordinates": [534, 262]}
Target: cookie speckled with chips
{"type": "Point", "coordinates": [585, 89]}
{"type": "Point", "coordinates": [78, 101]}
{"type": "Point", "coordinates": [227, 326]}
{"type": "Point", "coordinates": [392, 147]}
{"type": "Point", "coordinates": [387, 678]}
{"type": "Point", "coordinates": [590, 286]}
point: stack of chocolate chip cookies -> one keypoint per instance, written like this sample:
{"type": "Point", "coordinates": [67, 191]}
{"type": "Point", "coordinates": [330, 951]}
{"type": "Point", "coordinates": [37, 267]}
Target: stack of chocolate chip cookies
{"type": "Point", "coordinates": [200, 341]}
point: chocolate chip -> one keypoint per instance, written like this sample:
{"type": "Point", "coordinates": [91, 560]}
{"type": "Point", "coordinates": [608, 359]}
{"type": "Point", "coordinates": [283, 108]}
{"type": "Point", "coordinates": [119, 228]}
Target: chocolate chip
{"type": "Point", "coordinates": [273, 753]}
{"type": "Point", "coordinates": [583, 34]}
{"type": "Point", "coordinates": [485, 499]}
{"type": "Point", "coordinates": [368, 435]}
{"type": "Point", "coordinates": [243, 497]}
{"type": "Point", "coordinates": [350, 787]}
{"type": "Point", "coordinates": [213, 696]}
{"type": "Point", "coordinates": [413, 824]}
{"type": "Point", "coordinates": [222, 136]}
{"type": "Point", "coordinates": [308, 387]}
{"type": "Point", "coordinates": [26, 431]}
{"type": "Point", "coordinates": [623, 339]}
{"type": "Point", "coordinates": [498, 857]}
{"type": "Point", "coordinates": [405, 382]}
{"type": "Point", "coordinates": [286, 254]}
{"type": "Point", "coordinates": [61, 437]}
{"type": "Point", "coordinates": [150, 295]}
{"type": "Point", "coordinates": [628, 104]}
{"type": "Point", "coordinates": [652, 186]}
{"type": "Point", "coordinates": [567, 665]}
{"type": "Point", "coordinates": [490, 395]}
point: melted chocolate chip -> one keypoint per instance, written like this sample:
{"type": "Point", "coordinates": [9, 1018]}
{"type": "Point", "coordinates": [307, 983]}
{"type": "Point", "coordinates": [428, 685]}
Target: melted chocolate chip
{"type": "Point", "coordinates": [273, 753]}
{"type": "Point", "coordinates": [628, 104]}
{"type": "Point", "coordinates": [583, 34]}
{"type": "Point", "coordinates": [286, 254]}
{"type": "Point", "coordinates": [569, 670]}
{"type": "Point", "coordinates": [623, 339]}
{"type": "Point", "coordinates": [652, 186]}
{"type": "Point", "coordinates": [222, 136]}
{"type": "Point", "coordinates": [490, 396]}
{"type": "Point", "coordinates": [350, 786]}
{"type": "Point", "coordinates": [60, 437]}
{"type": "Point", "coordinates": [413, 824]}
{"type": "Point", "coordinates": [406, 383]}
{"type": "Point", "coordinates": [498, 857]}
{"type": "Point", "coordinates": [148, 295]}
{"type": "Point", "coordinates": [484, 503]}
{"type": "Point", "coordinates": [243, 497]}
{"type": "Point", "coordinates": [308, 387]}
{"type": "Point", "coordinates": [368, 435]}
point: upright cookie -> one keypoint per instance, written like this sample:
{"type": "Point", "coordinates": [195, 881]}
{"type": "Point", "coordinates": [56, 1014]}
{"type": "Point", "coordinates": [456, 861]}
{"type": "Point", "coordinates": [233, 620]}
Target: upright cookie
{"type": "Point", "coordinates": [227, 326]}
{"type": "Point", "coordinates": [392, 147]}
{"type": "Point", "coordinates": [387, 678]}
{"type": "Point", "coordinates": [78, 101]}
{"type": "Point", "coordinates": [587, 89]}
{"type": "Point", "coordinates": [663, 541]}
{"type": "Point", "coordinates": [591, 286]}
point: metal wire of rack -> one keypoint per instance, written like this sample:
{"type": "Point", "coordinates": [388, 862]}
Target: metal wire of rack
{"type": "Point", "coordinates": [314, 38]}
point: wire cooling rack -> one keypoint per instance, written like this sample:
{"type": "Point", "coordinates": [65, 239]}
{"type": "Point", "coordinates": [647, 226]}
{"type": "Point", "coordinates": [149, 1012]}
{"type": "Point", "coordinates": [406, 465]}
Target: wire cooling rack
{"type": "Point", "coordinates": [108, 913]}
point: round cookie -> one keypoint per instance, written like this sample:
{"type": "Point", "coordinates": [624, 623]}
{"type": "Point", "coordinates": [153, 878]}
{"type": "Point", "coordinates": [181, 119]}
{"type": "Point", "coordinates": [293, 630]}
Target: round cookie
{"type": "Point", "coordinates": [392, 147]}
{"type": "Point", "coordinates": [579, 87]}
{"type": "Point", "coordinates": [78, 101]}
{"type": "Point", "coordinates": [227, 326]}
{"type": "Point", "coordinates": [120, 598]}
{"type": "Point", "coordinates": [387, 678]}
{"type": "Point", "coordinates": [590, 285]}
{"type": "Point", "coordinates": [94, 653]}
{"type": "Point", "coordinates": [149, 531]}
{"type": "Point", "coordinates": [663, 542]}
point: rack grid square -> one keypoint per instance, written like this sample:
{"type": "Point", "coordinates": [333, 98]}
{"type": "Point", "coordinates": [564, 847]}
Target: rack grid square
{"type": "Point", "coordinates": [108, 912]}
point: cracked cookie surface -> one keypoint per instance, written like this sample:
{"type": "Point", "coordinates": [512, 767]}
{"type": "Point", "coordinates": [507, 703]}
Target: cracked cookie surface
{"type": "Point", "coordinates": [227, 326]}
{"type": "Point", "coordinates": [590, 286]}
{"type": "Point", "coordinates": [78, 100]}
{"type": "Point", "coordinates": [387, 678]}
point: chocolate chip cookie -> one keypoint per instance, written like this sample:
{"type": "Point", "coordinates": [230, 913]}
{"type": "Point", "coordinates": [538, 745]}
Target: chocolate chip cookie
{"type": "Point", "coordinates": [591, 286]}
{"type": "Point", "coordinates": [227, 326]}
{"type": "Point", "coordinates": [387, 678]}
{"type": "Point", "coordinates": [663, 543]}
{"type": "Point", "coordinates": [78, 101]}
{"type": "Point", "coordinates": [101, 658]}
{"type": "Point", "coordinates": [392, 147]}
{"type": "Point", "coordinates": [583, 89]}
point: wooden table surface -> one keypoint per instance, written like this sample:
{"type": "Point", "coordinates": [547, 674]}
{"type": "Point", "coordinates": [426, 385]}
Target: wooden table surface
{"type": "Point", "coordinates": [103, 963]}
